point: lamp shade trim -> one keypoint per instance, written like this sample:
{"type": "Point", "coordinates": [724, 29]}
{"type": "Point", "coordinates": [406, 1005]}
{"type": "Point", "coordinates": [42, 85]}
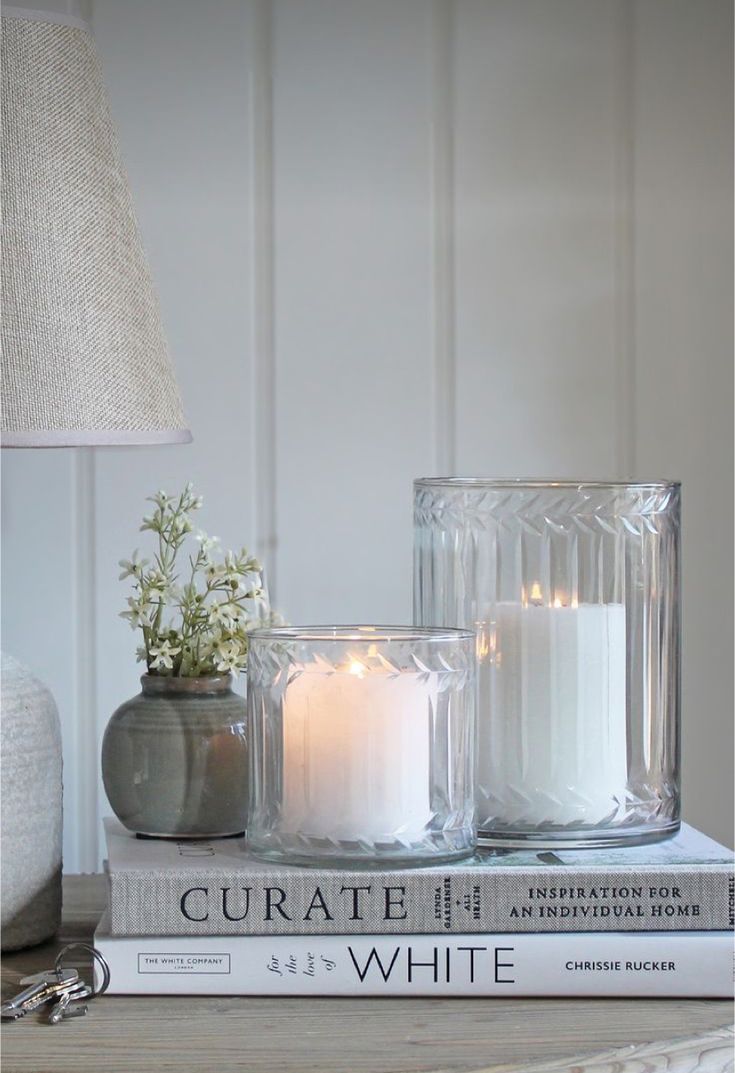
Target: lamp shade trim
{"type": "Point", "coordinates": [94, 437]}
{"type": "Point", "coordinates": [56, 18]}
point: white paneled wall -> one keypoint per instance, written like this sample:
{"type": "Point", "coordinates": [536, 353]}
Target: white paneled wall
{"type": "Point", "coordinates": [393, 238]}
{"type": "Point", "coordinates": [537, 139]}
{"type": "Point", "coordinates": [353, 113]}
{"type": "Point", "coordinates": [683, 387]}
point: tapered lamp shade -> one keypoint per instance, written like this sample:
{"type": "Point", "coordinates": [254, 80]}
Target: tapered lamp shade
{"type": "Point", "coordinates": [85, 359]}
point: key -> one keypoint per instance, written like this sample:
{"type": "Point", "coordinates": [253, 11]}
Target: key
{"type": "Point", "coordinates": [16, 1006]}
{"type": "Point", "coordinates": [67, 1004]}
{"type": "Point", "coordinates": [36, 983]}
{"type": "Point", "coordinates": [49, 994]}
{"type": "Point", "coordinates": [70, 975]}
{"type": "Point", "coordinates": [10, 1013]}
{"type": "Point", "coordinates": [72, 1010]}
{"type": "Point", "coordinates": [37, 995]}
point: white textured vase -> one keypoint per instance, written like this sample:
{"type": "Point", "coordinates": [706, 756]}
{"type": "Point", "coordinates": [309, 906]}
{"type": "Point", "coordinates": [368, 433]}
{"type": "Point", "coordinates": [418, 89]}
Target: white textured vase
{"type": "Point", "coordinates": [31, 825]}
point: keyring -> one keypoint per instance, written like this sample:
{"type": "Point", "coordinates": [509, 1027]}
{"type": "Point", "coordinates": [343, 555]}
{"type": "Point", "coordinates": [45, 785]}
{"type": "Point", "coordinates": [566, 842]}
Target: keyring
{"type": "Point", "coordinates": [97, 957]}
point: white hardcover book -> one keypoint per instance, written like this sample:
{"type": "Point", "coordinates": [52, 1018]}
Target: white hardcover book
{"type": "Point", "coordinates": [623, 964]}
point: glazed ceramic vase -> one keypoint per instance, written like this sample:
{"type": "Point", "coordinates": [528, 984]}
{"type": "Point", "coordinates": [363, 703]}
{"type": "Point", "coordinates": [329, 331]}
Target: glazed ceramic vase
{"type": "Point", "coordinates": [174, 759]}
{"type": "Point", "coordinates": [31, 809]}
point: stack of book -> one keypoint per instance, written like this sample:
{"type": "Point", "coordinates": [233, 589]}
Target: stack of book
{"type": "Point", "coordinates": [205, 918]}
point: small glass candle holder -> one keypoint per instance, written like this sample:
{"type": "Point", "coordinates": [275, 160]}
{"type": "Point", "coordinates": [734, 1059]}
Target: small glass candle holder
{"type": "Point", "coordinates": [361, 745]}
{"type": "Point", "coordinates": [573, 591]}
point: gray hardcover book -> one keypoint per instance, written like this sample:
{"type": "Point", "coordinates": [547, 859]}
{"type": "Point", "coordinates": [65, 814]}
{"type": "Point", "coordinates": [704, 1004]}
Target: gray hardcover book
{"type": "Point", "coordinates": [164, 887]}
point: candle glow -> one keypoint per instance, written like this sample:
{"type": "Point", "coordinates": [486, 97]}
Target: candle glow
{"type": "Point", "coordinates": [357, 750]}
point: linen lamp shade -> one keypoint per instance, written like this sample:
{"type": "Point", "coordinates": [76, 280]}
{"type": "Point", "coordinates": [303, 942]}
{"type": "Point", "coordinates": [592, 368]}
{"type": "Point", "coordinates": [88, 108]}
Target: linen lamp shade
{"type": "Point", "coordinates": [85, 360]}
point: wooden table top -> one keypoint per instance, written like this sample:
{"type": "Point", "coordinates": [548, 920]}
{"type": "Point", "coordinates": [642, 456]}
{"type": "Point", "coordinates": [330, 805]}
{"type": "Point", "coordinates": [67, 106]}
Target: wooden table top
{"type": "Point", "coordinates": [374, 1035]}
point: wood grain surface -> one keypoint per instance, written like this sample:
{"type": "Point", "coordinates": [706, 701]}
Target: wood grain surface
{"type": "Point", "coordinates": [267, 1035]}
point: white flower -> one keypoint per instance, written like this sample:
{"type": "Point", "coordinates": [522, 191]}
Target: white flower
{"type": "Point", "coordinates": [181, 525]}
{"type": "Point", "coordinates": [229, 656]}
{"type": "Point", "coordinates": [132, 567]}
{"type": "Point", "coordinates": [208, 543]}
{"type": "Point", "coordinates": [157, 582]}
{"type": "Point", "coordinates": [207, 546]}
{"type": "Point", "coordinates": [163, 654]}
{"type": "Point", "coordinates": [157, 585]}
{"type": "Point", "coordinates": [137, 610]}
{"type": "Point", "coordinates": [140, 654]}
{"type": "Point", "coordinates": [225, 614]}
{"type": "Point", "coordinates": [216, 572]}
{"type": "Point", "coordinates": [251, 582]}
{"type": "Point", "coordinates": [160, 499]}
{"type": "Point", "coordinates": [152, 522]}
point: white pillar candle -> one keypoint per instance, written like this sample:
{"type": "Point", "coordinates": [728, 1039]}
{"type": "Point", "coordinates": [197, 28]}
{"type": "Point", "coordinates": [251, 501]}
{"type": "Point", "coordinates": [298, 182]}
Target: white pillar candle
{"type": "Point", "coordinates": [552, 714]}
{"type": "Point", "coordinates": [356, 763]}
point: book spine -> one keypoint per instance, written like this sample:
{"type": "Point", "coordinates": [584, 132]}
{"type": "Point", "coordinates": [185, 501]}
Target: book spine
{"type": "Point", "coordinates": [693, 965]}
{"type": "Point", "coordinates": [337, 903]}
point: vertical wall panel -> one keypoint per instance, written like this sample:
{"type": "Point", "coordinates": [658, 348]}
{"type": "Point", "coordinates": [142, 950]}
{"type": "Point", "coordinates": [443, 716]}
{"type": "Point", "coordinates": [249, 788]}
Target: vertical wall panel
{"type": "Point", "coordinates": [179, 77]}
{"type": "Point", "coordinates": [683, 185]}
{"type": "Point", "coordinates": [353, 287]}
{"type": "Point", "coordinates": [38, 593]}
{"type": "Point", "coordinates": [535, 142]}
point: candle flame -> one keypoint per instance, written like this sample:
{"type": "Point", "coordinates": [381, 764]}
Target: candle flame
{"type": "Point", "coordinates": [357, 668]}
{"type": "Point", "coordinates": [558, 603]}
{"type": "Point", "coordinates": [486, 643]}
{"type": "Point", "coordinates": [536, 596]}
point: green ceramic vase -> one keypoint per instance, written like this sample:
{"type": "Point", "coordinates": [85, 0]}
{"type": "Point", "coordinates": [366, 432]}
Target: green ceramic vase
{"type": "Point", "coordinates": [174, 759]}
